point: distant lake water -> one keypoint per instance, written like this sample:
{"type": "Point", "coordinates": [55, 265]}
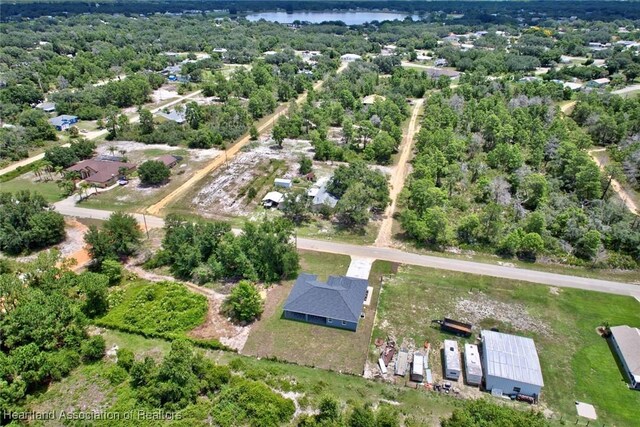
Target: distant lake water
{"type": "Point", "coordinates": [349, 18]}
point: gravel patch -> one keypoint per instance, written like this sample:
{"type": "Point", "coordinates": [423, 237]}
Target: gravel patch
{"type": "Point", "coordinates": [481, 307]}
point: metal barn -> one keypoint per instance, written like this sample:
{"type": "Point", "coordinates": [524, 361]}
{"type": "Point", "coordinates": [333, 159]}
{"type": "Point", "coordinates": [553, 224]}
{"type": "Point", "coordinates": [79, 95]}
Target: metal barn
{"type": "Point", "coordinates": [511, 364]}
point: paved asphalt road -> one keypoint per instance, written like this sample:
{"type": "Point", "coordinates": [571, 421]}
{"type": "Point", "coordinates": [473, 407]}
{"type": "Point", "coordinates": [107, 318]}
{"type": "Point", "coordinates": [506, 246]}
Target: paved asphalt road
{"type": "Point", "coordinates": [67, 207]}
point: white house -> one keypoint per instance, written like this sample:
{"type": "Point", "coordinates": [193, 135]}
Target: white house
{"type": "Point", "coordinates": [511, 364]}
{"type": "Point", "coordinates": [451, 360]}
{"type": "Point", "coordinates": [472, 364]}
{"type": "Point", "coordinates": [350, 57]}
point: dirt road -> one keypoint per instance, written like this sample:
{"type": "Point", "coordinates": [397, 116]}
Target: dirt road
{"type": "Point", "coordinates": [628, 198]}
{"type": "Point", "coordinates": [626, 90]}
{"type": "Point", "coordinates": [229, 154]}
{"type": "Point", "coordinates": [398, 176]}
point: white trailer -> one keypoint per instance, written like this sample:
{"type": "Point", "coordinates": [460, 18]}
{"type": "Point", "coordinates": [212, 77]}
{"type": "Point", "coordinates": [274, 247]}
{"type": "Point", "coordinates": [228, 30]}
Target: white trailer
{"type": "Point", "coordinates": [452, 366]}
{"type": "Point", "coordinates": [417, 368]}
{"type": "Point", "coordinates": [472, 364]}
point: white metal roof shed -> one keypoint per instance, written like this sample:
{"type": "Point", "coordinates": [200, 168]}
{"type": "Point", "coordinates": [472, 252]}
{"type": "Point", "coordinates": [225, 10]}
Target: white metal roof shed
{"type": "Point", "coordinates": [511, 357]}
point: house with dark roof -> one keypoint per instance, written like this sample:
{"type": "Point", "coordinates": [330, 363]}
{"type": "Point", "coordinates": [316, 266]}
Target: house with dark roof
{"type": "Point", "coordinates": [63, 122]}
{"type": "Point", "coordinates": [337, 303]}
{"type": "Point", "coordinates": [168, 160]}
{"type": "Point", "coordinates": [101, 173]}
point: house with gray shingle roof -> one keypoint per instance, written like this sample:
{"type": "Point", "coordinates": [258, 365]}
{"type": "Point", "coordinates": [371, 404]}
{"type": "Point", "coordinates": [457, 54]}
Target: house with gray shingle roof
{"type": "Point", "coordinates": [337, 303]}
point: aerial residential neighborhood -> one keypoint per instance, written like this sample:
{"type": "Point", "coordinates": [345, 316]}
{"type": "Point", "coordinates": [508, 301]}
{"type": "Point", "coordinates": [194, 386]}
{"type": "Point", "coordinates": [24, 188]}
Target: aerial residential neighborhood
{"type": "Point", "coordinates": [274, 213]}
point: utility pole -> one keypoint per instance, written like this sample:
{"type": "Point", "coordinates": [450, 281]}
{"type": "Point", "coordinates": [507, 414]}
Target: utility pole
{"type": "Point", "coordinates": [144, 218]}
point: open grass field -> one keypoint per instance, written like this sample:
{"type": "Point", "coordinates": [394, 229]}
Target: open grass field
{"type": "Point", "coordinates": [162, 309]}
{"type": "Point", "coordinates": [317, 346]}
{"type": "Point", "coordinates": [49, 190]}
{"type": "Point", "coordinates": [577, 363]}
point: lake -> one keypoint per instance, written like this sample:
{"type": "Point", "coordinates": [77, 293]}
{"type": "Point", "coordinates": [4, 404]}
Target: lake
{"type": "Point", "coordinates": [349, 18]}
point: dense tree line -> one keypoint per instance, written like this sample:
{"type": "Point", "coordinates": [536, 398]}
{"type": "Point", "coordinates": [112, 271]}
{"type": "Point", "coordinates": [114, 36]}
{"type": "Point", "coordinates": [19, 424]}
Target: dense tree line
{"type": "Point", "coordinates": [613, 122]}
{"type": "Point", "coordinates": [43, 335]}
{"type": "Point", "coordinates": [497, 167]}
{"type": "Point", "coordinates": [31, 130]}
{"type": "Point", "coordinates": [209, 251]}
{"type": "Point", "coordinates": [64, 157]}
{"type": "Point", "coordinates": [28, 222]}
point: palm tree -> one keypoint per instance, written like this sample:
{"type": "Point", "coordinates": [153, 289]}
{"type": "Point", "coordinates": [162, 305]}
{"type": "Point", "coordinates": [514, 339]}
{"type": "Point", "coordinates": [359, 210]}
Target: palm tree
{"type": "Point", "coordinates": [48, 167]}
{"type": "Point", "coordinates": [123, 153]}
{"type": "Point", "coordinates": [84, 187]}
{"type": "Point", "coordinates": [112, 149]}
{"type": "Point", "coordinates": [59, 170]}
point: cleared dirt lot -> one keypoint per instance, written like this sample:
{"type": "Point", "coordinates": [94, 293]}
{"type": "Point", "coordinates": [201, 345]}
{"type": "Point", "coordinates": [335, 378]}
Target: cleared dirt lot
{"type": "Point", "coordinates": [227, 192]}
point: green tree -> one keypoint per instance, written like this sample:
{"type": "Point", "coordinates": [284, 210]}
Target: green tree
{"type": "Point", "coordinates": [353, 209]}
{"type": "Point", "coordinates": [244, 303]}
{"type": "Point", "coordinates": [146, 121]}
{"type": "Point", "coordinates": [306, 165]}
{"type": "Point", "coordinates": [153, 172]}
{"type": "Point", "coordinates": [193, 115]}
{"type": "Point", "coordinates": [295, 206]}
{"type": "Point", "coordinates": [329, 409]}
{"type": "Point", "coordinates": [587, 182]}
{"type": "Point", "coordinates": [126, 358]}
{"type": "Point", "coordinates": [361, 416]}
{"type": "Point", "coordinates": [119, 236]}
{"type": "Point", "coordinates": [113, 270]}
{"type": "Point", "coordinates": [93, 349]}
{"type": "Point", "coordinates": [96, 297]}
{"type": "Point", "coordinates": [387, 416]}
{"type": "Point", "coordinates": [535, 223]}
{"type": "Point", "coordinates": [279, 132]}
{"type": "Point", "coordinates": [588, 245]}
{"type": "Point", "coordinates": [535, 191]}
{"type": "Point", "coordinates": [253, 133]}
{"type": "Point", "coordinates": [530, 245]}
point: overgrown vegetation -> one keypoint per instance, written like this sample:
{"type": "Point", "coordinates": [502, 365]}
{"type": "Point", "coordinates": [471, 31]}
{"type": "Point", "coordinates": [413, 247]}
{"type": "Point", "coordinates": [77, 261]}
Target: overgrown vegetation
{"type": "Point", "coordinates": [164, 309]}
{"type": "Point", "coordinates": [497, 167]}
{"type": "Point", "coordinates": [27, 222]}
{"type": "Point", "coordinates": [209, 251]}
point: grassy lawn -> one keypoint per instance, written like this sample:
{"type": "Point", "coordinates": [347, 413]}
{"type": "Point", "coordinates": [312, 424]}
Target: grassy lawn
{"type": "Point", "coordinates": [317, 346]}
{"type": "Point", "coordinates": [325, 230]}
{"type": "Point", "coordinates": [49, 190]}
{"type": "Point", "coordinates": [577, 363]}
